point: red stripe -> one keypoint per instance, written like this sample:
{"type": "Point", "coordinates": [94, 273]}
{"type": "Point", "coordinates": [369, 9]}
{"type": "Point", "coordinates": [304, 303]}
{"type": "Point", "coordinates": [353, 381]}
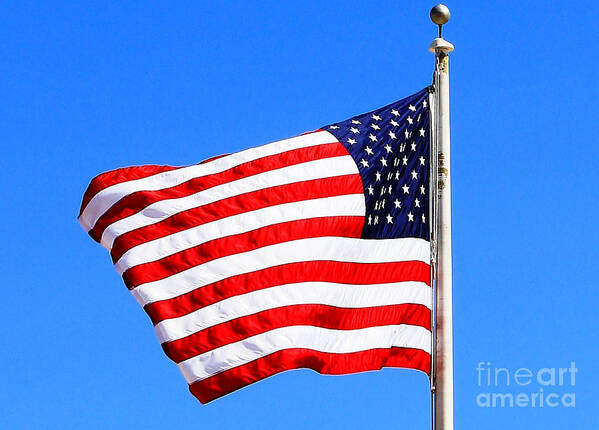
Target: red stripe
{"type": "Point", "coordinates": [339, 226]}
{"type": "Point", "coordinates": [308, 314]}
{"type": "Point", "coordinates": [321, 362]}
{"type": "Point", "coordinates": [305, 190]}
{"type": "Point", "coordinates": [307, 271]}
{"type": "Point", "coordinates": [216, 157]}
{"type": "Point", "coordinates": [310, 132]}
{"type": "Point", "coordinates": [137, 201]}
{"type": "Point", "coordinates": [108, 179]}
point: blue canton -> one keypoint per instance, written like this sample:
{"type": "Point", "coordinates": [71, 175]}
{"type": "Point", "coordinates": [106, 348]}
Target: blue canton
{"type": "Point", "coordinates": [391, 149]}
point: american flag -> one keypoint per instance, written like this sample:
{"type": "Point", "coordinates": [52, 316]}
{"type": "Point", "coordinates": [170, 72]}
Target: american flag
{"type": "Point", "coordinates": [310, 252]}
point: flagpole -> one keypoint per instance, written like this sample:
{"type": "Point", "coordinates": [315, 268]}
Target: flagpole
{"type": "Point", "coordinates": [442, 375]}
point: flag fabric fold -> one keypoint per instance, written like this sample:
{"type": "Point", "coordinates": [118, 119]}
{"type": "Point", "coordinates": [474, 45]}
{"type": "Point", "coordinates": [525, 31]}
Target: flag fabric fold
{"type": "Point", "coordinates": [310, 252]}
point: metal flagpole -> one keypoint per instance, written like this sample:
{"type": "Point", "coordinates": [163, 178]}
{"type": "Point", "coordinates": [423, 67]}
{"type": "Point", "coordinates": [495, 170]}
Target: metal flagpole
{"type": "Point", "coordinates": [442, 375]}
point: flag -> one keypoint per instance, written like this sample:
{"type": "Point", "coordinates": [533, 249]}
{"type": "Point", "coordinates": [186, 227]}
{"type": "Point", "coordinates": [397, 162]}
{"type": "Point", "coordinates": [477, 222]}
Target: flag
{"type": "Point", "coordinates": [309, 252]}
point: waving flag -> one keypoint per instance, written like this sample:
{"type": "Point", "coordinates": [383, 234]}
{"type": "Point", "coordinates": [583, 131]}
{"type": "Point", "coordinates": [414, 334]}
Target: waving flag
{"type": "Point", "coordinates": [307, 252]}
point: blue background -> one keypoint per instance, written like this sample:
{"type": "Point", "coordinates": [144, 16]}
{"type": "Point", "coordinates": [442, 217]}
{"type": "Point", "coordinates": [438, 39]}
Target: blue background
{"type": "Point", "coordinates": [87, 88]}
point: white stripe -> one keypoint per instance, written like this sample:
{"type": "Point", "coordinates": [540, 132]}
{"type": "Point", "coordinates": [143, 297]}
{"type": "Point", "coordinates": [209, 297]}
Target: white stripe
{"type": "Point", "coordinates": [341, 249]}
{"type": "Point", "coordinates": [104, 199]}
{"type": "Point", "coordinates": [156, 212]}
{"type": "Point", "coordinates": [316, 338]}
{"type": "Point", "coordinates": [345, 205]}
{"type": "Point", "coordinates": [321, 293]}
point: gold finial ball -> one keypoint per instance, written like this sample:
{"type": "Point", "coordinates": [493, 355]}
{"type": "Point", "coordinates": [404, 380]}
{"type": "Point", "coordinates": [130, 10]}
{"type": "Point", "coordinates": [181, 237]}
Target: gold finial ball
{"type": "Point", "coordinates": [440, 14]}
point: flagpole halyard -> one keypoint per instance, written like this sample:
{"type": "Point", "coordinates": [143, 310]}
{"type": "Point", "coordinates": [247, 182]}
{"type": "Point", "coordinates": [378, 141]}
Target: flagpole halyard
{"type": "Point", "coordinates": [442, 374]}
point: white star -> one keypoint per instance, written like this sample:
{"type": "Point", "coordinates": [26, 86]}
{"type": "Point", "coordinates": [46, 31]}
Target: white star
{"type": "Point", "coordinates": [392, 135]}
{"type": "Point", "coordinates": [413, 146]}
{"type": "Point", "coordinates": [406, 189]}
{"type": "Point", "coordinates": [384, 161]}
{"type": "Point", "coordinates": [423, 219]}
{"type": "Point", "coordinates": [410, 216]}
{"type": "Point", "coordinates": [422, 160]}
{"type": "Point", "coordinates": [378, 176]}
{"type": "Point", "coordinates": [389, 219]}
{"type": "Point", "coordinates": [375, 127]}
{"type": "Point", "coordinates": [395, 112]}
{"type": "Point", "coordinates": [388, 148]}
{"type": "Point", "coordinates": [390, 189]}
{"type": "Point", "coordinates": [369, 219]}
{"type": "Point", "coordinates": [405, 160]}
{"type": "Point", "coordinates": [334, 127]}
{"type": "Point", "coordinates": [421, 132]}
{"type": "Point", "coordinates": [407, 133]}
{"type": "Point", "coordinates": [421, 189]}
{"type": "Point", "coordinates": [410, 120]}
{"type": "Point", "coordinates": [369, 150]}
{"type": "Point", "coordinates": [376, 219]}
{"type": "Point", "coordinates": [394, 123]}
{"type": "Point", "coordinates": [417, 203]}
{"type": "Point", "coordinates": [424, 104]}
{"type": "Point", "coordinates": [364, 162]}
{"type": "Point", "coordinates": [372, 137]}
{"type": "Point", "coordinates": [354, 130]}
{"type": "Point", "coordinates": [370, 190]}
{"type": "Point", "coordinates": [397, 175]}
{"type": "Point", "coordinates": [414, 174]}
{"type": "Point", "coordinates": [376, 117]}
{"type": "Point", "coordinates": [351, 141]}
{"type": "Point", "coordinates": [355, 121]}
{"type": "Point", "coordinates": [412, 108]}
{"type": "Point", "coordinates": [397, 203]}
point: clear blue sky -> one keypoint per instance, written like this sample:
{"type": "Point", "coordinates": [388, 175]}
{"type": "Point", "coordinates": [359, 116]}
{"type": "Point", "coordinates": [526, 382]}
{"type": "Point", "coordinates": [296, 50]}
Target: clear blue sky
{"type": "Point", "coordinates": [88, 88]}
